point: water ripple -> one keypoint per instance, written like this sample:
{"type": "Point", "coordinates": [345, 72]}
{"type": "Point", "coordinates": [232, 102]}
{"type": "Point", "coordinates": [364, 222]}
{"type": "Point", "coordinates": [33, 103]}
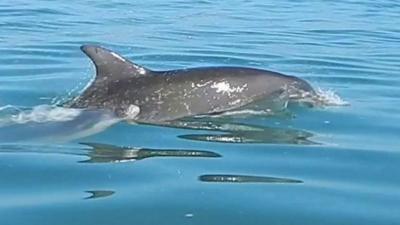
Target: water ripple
{"type": "Point", "coordinates": [346, 157]}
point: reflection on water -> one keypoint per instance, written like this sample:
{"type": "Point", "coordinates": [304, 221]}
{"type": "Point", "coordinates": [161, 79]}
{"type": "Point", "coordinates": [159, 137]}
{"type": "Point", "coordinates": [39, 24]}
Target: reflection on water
{"type": "Point", "coordinates": [243, 133]}
{"type": "Point", "coordinates": [104, 153]}
{"type": "Point", "coordinates": [225, 178]}
{"type": "Point", "coordinates": [99, 194]}
{"type": "Point", "coordinates": [50, 124]}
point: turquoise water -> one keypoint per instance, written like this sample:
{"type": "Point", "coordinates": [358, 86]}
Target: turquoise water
{"type": "Point", "coordinates": [335, 164]}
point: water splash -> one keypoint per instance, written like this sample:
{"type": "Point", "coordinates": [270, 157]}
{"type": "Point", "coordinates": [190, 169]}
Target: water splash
{"type": "Point", "coordinates": [37, 114]}
{"type": "Point", "coordinates": [323, 98]}
{"type": "Point", "coordinates": [329, 98]}
{"type": "Point", "coordinates": [84, 82]}
{"type": "Point", "coordinates": [51, 123]}
{"type": "Point", "coordinates": [9, 109]}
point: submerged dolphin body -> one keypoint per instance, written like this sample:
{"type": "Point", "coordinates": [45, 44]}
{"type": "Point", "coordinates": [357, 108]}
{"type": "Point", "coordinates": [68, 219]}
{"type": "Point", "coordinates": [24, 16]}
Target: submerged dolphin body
{"type": "Point", "coordinates": [135, 92]}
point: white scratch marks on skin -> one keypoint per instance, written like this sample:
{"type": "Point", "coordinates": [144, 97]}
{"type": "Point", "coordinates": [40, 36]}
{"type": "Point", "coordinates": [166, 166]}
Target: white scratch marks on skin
{"type": "Point", "coordinates": [225, 88]}
{"type": "Point", "coordinates": [237, 101]}
{"type": "Point", "coordinates": [159, 90]}
{"type": "Point", "coordinates": [132, 112]}
{"type": "Point", "coordinates": [142, 71]}
{"type": "Point", "coordinates": [118, 56]}
{"type": "Point", "coordinates": [203, 84]}
{"type": "Point", "coordinates": [187, 107]}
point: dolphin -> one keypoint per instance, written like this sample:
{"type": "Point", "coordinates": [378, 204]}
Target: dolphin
{"type": "Point", "coordinates": [137, 93]}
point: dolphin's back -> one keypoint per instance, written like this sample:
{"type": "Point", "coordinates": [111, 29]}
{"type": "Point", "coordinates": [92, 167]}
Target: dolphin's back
{"type": "Point", "coordinates": [121, 85]}
{"type": "Point", "coordinates": [187, 92]}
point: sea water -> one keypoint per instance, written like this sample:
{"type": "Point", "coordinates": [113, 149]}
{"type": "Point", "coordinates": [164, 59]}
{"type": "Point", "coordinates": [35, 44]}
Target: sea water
{"type": "Point", "coordinates": [336, 163]}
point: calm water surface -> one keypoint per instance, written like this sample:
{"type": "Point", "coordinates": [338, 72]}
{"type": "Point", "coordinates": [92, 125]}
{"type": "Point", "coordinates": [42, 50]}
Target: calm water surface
{"type": "Point", "coordinates": [323, 165]}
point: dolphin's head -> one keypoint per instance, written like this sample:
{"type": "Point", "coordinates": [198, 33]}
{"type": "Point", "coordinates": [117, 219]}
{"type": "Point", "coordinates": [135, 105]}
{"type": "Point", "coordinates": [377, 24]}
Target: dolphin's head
{"type": "Point", "coordinates": [295, 87]}
{"type": "Point", "coordinates": [299, 90]}
{"type": "Point", "coordinates": [302, 85]}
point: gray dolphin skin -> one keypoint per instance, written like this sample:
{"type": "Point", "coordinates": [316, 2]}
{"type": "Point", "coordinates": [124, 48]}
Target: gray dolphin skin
{"type": "Point", "coordinates": [135, 92]}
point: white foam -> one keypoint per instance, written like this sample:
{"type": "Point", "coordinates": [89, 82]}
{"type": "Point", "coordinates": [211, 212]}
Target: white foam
{"type": "Point", "coordinates": [8, 107]}
{"type": "Point", "coordinates": [45, 113]}
{"type": "Point", "coordinates": [71, 123]}
{"type": "Point", "coordinates": [328, 98]}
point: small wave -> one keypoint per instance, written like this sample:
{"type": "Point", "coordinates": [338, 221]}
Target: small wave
{"type": "Point", "coordinates": [7, 109]}
{"type": "Point", "coordinates": [328, 98]}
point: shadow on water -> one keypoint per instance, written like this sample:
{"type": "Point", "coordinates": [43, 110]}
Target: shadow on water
{"type": "Point", "coordinates": [98, 194]}
{"type": "Point", "coordinates": [231, 178]}
{"type": "Point", "coordinates": [104, 153]}
{"type": "Point", "coordinates": [228, 132]}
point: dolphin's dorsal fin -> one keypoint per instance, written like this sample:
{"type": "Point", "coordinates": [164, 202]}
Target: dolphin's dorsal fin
{"type": "Point", "coordinates": [110, 65]}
